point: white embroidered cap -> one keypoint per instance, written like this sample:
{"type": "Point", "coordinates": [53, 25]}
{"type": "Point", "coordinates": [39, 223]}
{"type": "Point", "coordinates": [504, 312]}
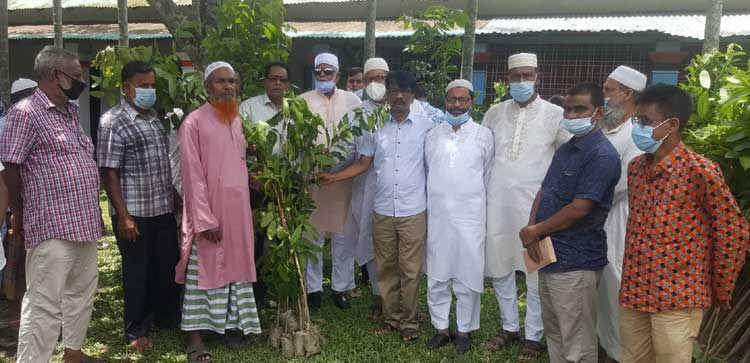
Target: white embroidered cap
{"type": "Point", "coordinates": [522, 60]}
{"type": "Point", "coordinates": [327, 58]}
{"type": "Point", "coordinates": [214, 66]}
{"type": "Point", "coordinates": [630, 78]}
{"type": "Point", "coordinates": [459, 83]}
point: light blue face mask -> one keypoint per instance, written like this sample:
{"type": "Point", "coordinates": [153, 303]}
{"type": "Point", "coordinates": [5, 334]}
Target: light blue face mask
{"type": "Point", "coordinates": [145, 98]}
{"type": "Point", "coordinates": [643, 137]}
{"type": "Point", "coordinates": [325, 86]}
{"type": "Point", "coordinates": [578, 126]}
{"type": "Point", "coordinates": [522, 91]}
{"type": "Point", "coordinates": [360, 93]}
{"type": "Point", "coordinates": [456, 120]}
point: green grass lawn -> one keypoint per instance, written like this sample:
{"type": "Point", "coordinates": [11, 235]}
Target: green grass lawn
{"type": "Point", "coordinates": [348, 334]}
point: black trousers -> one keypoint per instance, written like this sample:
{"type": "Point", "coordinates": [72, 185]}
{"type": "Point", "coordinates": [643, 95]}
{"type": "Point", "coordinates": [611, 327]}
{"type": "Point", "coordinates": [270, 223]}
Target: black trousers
{"type": "Point", "coordinates": [148, 268]}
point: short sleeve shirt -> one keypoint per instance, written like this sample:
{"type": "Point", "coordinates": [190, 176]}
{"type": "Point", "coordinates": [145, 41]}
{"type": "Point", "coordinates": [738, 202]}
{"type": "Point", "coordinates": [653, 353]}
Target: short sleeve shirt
{"type": "Point", "coordinates": [138, 145]}
{"type": "Point", "coordinates": [587, 168]}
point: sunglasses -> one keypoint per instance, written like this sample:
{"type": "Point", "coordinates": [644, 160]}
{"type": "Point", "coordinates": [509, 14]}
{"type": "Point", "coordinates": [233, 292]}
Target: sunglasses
{"type": "Point", "coordinates": [326, 71]}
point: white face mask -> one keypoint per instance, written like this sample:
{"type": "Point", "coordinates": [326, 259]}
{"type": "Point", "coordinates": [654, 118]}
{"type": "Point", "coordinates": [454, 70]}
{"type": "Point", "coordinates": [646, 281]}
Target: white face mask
{"type": "Point", "coordinates": [375, 91]}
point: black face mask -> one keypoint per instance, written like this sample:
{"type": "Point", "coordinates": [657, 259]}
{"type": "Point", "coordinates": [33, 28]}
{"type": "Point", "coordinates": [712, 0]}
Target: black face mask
{"type": "Point", "coordinates": [76, 88]}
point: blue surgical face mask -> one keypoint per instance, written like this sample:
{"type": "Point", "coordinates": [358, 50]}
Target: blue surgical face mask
{"type": "Point", "coordinates": [643, 137]}
{"type": "Point", "coordinates": [360, 93]}
{"type": "Point", "coordinates": [145, 98]}
{"type": "Point", "coordinates": [325, 86]}
{"type": "Point", "coordinates": [456, 120]}
{"type": "Point", "coordinates": [578, 126]}
{"type": "Point", "coordinates": [522, 91]}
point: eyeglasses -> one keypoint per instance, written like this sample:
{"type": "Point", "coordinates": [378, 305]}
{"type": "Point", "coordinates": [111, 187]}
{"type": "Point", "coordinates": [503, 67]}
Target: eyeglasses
{"type": "Point", "coordinates": [452, 100]}
{"type": "Point", "coordinates": [395, 91]}
{"type": "Point", "coordinates": [643, 121]}
{"type": "Point", "coordinates": [277, 79]}
{"type": "Point", "coordinates": [327, 71]}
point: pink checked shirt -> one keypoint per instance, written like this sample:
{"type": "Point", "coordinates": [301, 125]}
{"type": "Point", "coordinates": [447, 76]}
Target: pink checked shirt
{"type": "Point", "coordinates": [60, 179]}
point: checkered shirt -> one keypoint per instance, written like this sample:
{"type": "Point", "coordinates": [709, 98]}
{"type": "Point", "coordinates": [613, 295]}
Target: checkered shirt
{"type": "Point", "coordinates": [60, 179]}
{"type": "Point", "coordinates": [138, 145]}
{"type": "Point", "coordinates": [686, 239]}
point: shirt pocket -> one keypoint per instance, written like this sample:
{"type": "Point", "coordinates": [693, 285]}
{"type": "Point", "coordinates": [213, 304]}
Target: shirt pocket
{"type": "Point", "coordinates": [60, 140]}
{"type": "Point", "coordinates": [565, 187]}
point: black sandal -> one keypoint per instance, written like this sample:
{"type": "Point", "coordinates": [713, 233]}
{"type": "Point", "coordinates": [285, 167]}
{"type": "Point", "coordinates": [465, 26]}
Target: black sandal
{"type": "Point", "coordinates": [502, 340]}
{"type": "Point", "coordinates": [530, 350]}
{"type": "Point", "coordinates": [409, 336]}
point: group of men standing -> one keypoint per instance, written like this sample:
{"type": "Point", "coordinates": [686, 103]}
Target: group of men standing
{"type": "Point", "coordinates": [645, 234]}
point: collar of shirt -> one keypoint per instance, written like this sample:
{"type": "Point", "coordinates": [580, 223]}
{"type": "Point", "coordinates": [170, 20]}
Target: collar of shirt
{"type": "Point", "coordinates": [618, 128]}
{"type": "Point", "coordinates": [407, 121]}
{"type": "Point", "coordinates": [267, 101]}
{"type": "Point", "coordinates": [42, 97]}
{"type": "Point", "coordinates": [531, 104]}
{"type": "Point", "coordinates": [670, 161]}
{"type": "Point", "coordinates": [133, 113]}
{"type": "Point", "coordinates": [588, 141]}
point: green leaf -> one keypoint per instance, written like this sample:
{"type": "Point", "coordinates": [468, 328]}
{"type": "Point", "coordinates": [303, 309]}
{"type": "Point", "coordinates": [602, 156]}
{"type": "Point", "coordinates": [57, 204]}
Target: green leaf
{"type": "Point", "coordinates": [737, 136]}
{"type": "Point", "coordinates": [745, 162]}
{"type": "Point", "coordinates": [703, 105]}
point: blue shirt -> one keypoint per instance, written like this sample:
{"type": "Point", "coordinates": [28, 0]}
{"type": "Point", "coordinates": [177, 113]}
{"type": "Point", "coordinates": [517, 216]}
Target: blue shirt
{"type": "Point", "coordinates": [398, 151]}
{"type": "Point", "coordinates": [587, 168]}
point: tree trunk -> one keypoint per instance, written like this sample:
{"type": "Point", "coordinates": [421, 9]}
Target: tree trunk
{"type": "Point", "coordinates": [4, 56]}
{"type": "Point", "coordinates": [372, 6]}
{"type": "Point", "coordinates": [122, 18]}
{"type": "Point", "coordinates": [713, 26]}
{"type": "Point", "coordinates": [57, 21]}
{"type": "Point", "coordinates": [196, 11]}
{"type": "Point", "coordinates": [467, 51]}
{"type": "Point", "coordinates": [172, 19]}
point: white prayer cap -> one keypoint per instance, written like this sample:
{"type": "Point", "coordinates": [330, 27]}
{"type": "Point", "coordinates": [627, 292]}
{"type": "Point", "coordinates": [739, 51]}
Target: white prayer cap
{"type": "Point", "coordinates": [376, 63]}
{"type": "Point", "coordinates": [22, 84]}
{"type": "Point", "coordinates": [214, 66]}
{"type": "Point", "coordinates": [327, 58]}
{"type": "Point", "coordinates": [522, 60]}
{"type": "Point", "coordinates": [459, 83]}
{"type": "Point", "coordinates": [629, 77]}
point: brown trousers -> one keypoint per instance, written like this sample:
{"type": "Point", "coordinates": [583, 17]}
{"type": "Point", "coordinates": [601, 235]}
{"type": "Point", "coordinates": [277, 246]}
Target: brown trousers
{"type": "Point", "coordinates": [399, 253]}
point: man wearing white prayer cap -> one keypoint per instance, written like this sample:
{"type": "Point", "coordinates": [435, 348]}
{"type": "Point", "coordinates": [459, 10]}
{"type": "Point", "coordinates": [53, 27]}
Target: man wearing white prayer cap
{"type": "Point", "coordinates": [621, 89]}
{"type": "Point", "coordinates": [333, 202]}
{"type": "Point", "coordinates": [458, 156]}
{"type": "Point", "coordinates": [527, 132]}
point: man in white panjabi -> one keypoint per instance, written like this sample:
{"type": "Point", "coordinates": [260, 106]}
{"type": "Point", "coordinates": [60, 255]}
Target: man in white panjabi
{"type": "Point", "coordinates": [621, 89]}
{"type": "Point", "coordinates": [458, 155]}
{"type": "Point", "coordinates": [333, 202]}
{"type": "Point", "coordinates": [527, 132]}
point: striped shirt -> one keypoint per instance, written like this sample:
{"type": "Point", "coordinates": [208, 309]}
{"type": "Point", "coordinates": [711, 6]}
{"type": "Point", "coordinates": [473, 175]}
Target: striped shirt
{"type": "Point", "coordinates": [138, 145]}
{"type": "Point", "coordinates": [60, 179]}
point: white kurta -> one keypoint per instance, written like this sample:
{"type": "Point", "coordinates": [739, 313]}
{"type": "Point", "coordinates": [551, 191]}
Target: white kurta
{"type": "Point", "coordinates": [525, 142]}
{"type": "Point", "coordinates": [608, 319]}
{"type": "Point", "coordinates": [458, 168]}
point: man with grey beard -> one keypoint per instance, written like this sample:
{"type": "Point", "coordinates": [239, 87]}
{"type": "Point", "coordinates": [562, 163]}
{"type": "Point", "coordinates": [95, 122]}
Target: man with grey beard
{"type": "Point", "coordinates": [620, 91]}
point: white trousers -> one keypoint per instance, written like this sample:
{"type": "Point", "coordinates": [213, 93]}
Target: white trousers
{"type": "Point", "coordinates": [342, 274]}
{"type": "Point", "coordinates": [439, 301]}
{"type": "Point", "coordinates": [61, 280]}
{"type": "Point", "coordinates": [507, 298]}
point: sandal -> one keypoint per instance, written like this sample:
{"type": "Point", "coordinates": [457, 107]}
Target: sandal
{"type": "Point", "coordinates": [234, 339]}
{"type": "Point", "coordinates": [197, 353]}
{"type": "Point", "coordinates": [409, 336]}
{"type": "Point", "coordinates": [376, 309]}
{"type": "Point", "coordinates": [502, 340]}
{"type": "Point", "coordinates": [141, 343]}
{"type": "Point", "coordinates": [530, 350]}
{"type": "Point", "coordinates": [384, 329]}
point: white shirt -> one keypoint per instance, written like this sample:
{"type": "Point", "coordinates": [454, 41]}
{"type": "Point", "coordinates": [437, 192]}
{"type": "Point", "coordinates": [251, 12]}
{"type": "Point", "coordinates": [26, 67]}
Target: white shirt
{"type": "Point", "coordinates": [458, 169]}
{"type": "Point", "coordinates": [398, 151]}
{"type": "Point", "coordinates": [525, 142]}
{"type": "Point", "coordinates": [260, 108]}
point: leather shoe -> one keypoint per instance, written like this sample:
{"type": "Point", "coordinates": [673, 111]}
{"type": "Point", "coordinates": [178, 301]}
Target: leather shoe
{"type": "Point", "coordinates": [438, 340]}
{"type": "Point", "coordinates": [462, 343]}
{"type": "Point", "coordinates": [340, 300]}
{"type": "Point", "coordinates": [313, 300]}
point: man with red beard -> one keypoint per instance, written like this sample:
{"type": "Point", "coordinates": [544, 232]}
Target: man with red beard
{"type": "Point", "coordinates": [216, 263]}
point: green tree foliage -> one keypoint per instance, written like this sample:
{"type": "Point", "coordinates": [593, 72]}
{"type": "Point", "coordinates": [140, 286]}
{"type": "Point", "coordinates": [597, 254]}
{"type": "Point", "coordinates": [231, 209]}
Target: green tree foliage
{"type": "Point", "coordinates": [719, 128]}
{"type": "Point", "coordinates": [174, 89]}
{"type": "Point", "coordinates": [436, 46]}
{"type": "Point", "coordinates": [248, 35]}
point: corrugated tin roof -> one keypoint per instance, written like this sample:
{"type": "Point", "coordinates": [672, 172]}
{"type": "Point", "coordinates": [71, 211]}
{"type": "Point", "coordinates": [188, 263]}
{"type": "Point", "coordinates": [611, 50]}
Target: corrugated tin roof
{"type": "Point", "coordinates": [92, 31]}
{"type": "Point", "coordinates": [47, 4]}
{"type": "Point", "coordinates": [688, 26]}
